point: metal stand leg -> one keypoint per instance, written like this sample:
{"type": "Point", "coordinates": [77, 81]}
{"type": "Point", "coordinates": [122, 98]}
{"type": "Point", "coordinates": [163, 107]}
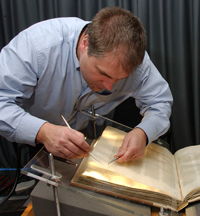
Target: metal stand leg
{"type": "Point", "coordinates": [162, 212]}
{"type": "Point", "coordinates": [55, 189]}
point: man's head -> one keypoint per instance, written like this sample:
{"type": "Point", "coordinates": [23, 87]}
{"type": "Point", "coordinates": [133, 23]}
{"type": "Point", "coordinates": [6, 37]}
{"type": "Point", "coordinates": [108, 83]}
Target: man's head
{"type": "Point", "coordinates": [119, 31]}
{"type": "Point", "coordinates": [113, 45]}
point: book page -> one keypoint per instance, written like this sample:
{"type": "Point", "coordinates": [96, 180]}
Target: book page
{"type": "Point", "coordinates": [188, 166]}
{"type": "Point", "coordinates": [156, 169]}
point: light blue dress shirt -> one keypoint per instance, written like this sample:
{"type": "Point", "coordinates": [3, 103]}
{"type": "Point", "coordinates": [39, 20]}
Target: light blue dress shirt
{"type": "Point", "coordinates": [40, 80]}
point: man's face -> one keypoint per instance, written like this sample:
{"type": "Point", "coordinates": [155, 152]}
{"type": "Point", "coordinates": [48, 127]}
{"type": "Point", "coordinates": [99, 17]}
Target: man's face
{"type": "Point", "coordinates": [101, 73]}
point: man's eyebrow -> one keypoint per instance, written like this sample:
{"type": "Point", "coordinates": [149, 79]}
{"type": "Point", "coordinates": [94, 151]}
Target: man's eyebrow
{"type": "Point", "coordinates": [103, 73]}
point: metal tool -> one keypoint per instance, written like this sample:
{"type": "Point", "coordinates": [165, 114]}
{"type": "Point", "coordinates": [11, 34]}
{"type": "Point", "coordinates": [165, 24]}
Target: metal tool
{"type": "Point", "coordinates": [66, 161]}
{"type": "Point", "coordinates": [113, 160]}
{"type": "Point", "coordinates": [88, 152]}
{"type": "Point", "coordinates": [66, 122]}
{"type": "Point", "coordinates": [95, 158]}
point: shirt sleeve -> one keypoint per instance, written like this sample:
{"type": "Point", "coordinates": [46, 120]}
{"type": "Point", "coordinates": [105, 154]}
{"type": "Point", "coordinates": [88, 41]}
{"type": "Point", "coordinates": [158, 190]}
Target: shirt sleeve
{"type": "Point", "coordinates": [18, 78]}
{"type": "Point", "coordinates": [154, 99]}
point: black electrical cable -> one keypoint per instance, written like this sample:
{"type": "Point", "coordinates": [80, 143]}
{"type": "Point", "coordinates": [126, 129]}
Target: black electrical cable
{"type": "Point", "coordinates": [17, 176]}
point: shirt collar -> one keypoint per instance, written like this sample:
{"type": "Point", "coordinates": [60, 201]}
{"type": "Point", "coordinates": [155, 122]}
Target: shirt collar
{"type": "Point", "coordinates": [79, 29]}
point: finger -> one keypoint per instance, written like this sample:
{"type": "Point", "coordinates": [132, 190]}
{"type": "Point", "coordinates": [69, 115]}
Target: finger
{"type": "Point", "coordinates": [128, 156]}
{"type": "Point", "coordinates": [66, 154]}
{"type": "Point", "coordinates": [122, 149]}
{"type": "Point", "coordinates": [64, 150]}
{"type": "Point", "coordinates": [133, 157]}
{"type": "Point", "coordinates": [79, 140]}
{"type": "Point", "coordinates": [60, 155]}
{"type": "Point", "coordinates": [74, 149]}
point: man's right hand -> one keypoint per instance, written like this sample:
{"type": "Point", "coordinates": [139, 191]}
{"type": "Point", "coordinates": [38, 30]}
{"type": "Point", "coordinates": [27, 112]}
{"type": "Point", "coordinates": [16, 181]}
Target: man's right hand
{"type": "Point", "coordinates": [62, 141]}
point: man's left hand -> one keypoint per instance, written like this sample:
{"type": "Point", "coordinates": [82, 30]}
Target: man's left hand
{"type": "Point", "coordinates": [133, 146]}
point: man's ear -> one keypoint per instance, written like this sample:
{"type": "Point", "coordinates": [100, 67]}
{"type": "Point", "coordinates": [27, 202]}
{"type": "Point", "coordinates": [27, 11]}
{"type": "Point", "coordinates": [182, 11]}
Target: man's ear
{"type": "Point", "coordinates": [83, 44]}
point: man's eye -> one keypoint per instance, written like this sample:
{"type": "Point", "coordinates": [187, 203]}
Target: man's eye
{"type": "Point", "coordinates": [100, 72]}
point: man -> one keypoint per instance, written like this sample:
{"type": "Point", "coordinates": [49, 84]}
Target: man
{"type": "Point", "coordinates": [62, 65]}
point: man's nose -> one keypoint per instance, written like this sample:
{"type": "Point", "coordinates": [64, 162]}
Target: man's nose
{"type": "Point", "coordinates": [108, 84]}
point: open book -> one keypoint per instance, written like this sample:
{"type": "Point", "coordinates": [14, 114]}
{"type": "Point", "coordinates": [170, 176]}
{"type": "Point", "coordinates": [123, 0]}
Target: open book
{"type": "Point", "coordinates": [159, 179]}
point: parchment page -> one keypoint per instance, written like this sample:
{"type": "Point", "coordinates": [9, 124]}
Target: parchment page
{"type": "Point", "coordinates": [156, 169]}
{"type": "Point", "coordinates": [188, 166]}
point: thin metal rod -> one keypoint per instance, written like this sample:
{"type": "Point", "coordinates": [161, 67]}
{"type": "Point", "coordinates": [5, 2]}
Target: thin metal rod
{"type": "Point", "coordinates": [55, 189]}
{"type": "Point", "coordinates": [66, 122]}
{"type": "Point", "coordinates": [94, 123]}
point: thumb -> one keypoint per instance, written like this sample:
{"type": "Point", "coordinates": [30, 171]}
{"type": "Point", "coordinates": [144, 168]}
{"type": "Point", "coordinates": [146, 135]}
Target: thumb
{"type": "Point", "coordinates": [122, 150]}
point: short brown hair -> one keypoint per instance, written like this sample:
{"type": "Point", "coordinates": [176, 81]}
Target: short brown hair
{"type": "Point", "coordinates": [116, 29]}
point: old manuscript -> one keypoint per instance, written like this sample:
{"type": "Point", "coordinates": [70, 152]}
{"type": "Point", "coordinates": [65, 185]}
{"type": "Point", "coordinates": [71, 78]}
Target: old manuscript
{"type": "Point", "coordinates": [159, 179]}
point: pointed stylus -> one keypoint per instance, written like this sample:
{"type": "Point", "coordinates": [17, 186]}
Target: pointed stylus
{"type": "Point", "coordinates": [113, 160]}
{"type": "Point", "coordinates": [88, 152]}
